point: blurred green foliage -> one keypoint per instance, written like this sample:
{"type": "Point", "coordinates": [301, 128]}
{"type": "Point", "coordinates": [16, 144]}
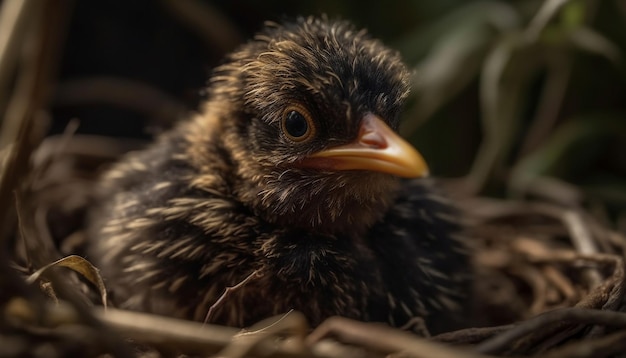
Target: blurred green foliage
{"type": "Point", "coordinates": [548, 77]}
{"type": "Point", "coordinates": [510, 95]}
{"type": "Point", "coordinates": [549, 80]}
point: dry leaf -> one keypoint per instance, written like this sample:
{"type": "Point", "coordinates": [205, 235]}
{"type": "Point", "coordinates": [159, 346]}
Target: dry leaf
{"type": "Point", "coordinates": [80, 265]}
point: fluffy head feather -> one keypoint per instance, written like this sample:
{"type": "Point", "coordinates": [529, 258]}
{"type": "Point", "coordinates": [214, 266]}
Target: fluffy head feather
{"type": "Point", "coordinates": [336, 74]}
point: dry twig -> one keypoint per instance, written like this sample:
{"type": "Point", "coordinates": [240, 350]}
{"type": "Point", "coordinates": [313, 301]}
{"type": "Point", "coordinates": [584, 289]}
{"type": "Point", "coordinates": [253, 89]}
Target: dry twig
{"type": "Point", "coordinates": [378, 337]}
{"type": "Point", "coordinates": [227, 292]}
{"type": "Point", "coordinates": [560, 316]}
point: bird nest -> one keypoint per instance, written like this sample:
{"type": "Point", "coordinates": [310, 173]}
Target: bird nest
{"type": "Point", "coordinates": [549, 283]}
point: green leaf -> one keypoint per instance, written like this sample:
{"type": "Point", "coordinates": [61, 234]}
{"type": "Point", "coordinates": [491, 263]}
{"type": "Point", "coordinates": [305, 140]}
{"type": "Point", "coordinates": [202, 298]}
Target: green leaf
{"type": "Point", "coordinates": [505, 77]}
{"type": "Point", "coordinates": [589, 40]}
{"type": "Point", "coordinates": [569, 147]}
{"type": "Point", "coordinates": [573, 15]}
{"type": "Point", "coordinates": [448, 68]}
{"type": "Point", "coordinates": [494, 15]}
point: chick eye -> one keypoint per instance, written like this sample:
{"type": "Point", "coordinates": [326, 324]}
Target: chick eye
{"type": "Point", "coordinates": [297, 124]}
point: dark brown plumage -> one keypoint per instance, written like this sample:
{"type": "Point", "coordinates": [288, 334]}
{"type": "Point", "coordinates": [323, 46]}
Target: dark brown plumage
{"type": "Point", "coordinates": [291, 171]}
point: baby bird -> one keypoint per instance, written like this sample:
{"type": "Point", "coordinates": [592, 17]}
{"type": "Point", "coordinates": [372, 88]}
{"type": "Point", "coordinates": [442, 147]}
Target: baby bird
{"type": "Point", "coordinates": [290, 184]}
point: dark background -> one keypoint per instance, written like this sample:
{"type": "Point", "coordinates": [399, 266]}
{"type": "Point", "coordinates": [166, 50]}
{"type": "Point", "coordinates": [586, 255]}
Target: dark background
{"type": "Point", "coordinates": [148, 41]}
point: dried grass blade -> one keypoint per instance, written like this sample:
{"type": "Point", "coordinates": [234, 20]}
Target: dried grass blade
{"type": "Point", "coordinates": [80, 265]}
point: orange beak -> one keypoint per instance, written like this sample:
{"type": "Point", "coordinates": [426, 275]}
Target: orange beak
{"type": "Point", "coordinates": [377, 148]}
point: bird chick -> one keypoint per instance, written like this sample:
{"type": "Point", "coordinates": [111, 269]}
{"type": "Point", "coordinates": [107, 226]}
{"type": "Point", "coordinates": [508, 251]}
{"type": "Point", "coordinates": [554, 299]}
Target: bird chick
{"type": "Point", "coordinates": [292, 183]}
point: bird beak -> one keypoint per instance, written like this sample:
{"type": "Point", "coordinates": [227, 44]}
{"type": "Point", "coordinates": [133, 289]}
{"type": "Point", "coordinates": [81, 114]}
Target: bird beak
{"type": "Point", "coordinates": [377, 148]}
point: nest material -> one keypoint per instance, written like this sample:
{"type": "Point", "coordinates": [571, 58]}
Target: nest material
{"type": "Point", "coordinates": [550, 280]}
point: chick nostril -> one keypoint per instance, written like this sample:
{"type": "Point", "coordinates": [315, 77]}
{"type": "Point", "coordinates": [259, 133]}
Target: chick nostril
{"type": "Point", "coordinates": [371, 133]}
{"type": "Point", "coordinates": [373, 139]}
